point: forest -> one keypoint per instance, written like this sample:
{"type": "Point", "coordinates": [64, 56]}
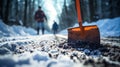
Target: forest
{"type": "Point", "coordinates": [21, 12]}
{"type": "Point", "coordinates": [93, 42]}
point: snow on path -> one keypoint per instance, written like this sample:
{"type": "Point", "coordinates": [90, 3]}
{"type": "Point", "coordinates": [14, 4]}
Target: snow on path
{"type": "Point", "coordinates": [38, 57]}
{"type": "Point", "coordinates": [13, 42]}
{"type": "Point", "coordinates": [44, 51]}
{"type": "Point", "coordinates": [5, 40]}
{"type": "Point", "coordinates": [111, 41]}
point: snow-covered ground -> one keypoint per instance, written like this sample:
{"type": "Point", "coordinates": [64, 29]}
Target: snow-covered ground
{"type": "Point", "coordinates": [6, 30]}
{"type": "Point", "coordinates": [21, 47]}
{"type": "Point", "coordinates": [107, 27]}
{"type": "Point", "coordinates": [50, 51]}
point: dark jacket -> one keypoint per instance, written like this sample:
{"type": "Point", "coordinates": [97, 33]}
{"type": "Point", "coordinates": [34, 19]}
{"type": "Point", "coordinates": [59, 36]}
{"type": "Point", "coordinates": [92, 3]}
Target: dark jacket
{"type": "Point", "coordinates": [39, 16]}
{"type": "Point", "coordinates": [55, 26]}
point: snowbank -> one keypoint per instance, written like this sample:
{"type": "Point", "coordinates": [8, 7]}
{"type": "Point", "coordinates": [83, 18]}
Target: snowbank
{"type": "Point", "coordinates": [107, 27]}
{"type": "Point", "coordinates": [6, 30]}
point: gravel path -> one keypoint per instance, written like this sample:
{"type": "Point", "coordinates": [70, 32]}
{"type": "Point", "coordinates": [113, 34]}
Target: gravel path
{"type": "Point", "coordinates": [107, 54]}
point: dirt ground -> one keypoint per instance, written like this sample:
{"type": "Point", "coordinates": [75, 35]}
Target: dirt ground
{"type": "Point", "coordinates": [106, 54]}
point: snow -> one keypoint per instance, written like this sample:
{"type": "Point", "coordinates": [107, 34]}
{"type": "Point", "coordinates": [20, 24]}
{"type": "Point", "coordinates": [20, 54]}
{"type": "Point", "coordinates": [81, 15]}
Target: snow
{"type": "Point", "coordinates": [107, 27]}
{"type": "Point", "coordinates": [6, 30]}
{"type": "Point", "coordinates": [21, 40]}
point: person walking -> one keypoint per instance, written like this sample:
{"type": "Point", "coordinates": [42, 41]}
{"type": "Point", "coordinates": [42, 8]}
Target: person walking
{"type": "Point", "coordinates": [39, 17]}
{"type": "Point", "coordinates": [55, 27]}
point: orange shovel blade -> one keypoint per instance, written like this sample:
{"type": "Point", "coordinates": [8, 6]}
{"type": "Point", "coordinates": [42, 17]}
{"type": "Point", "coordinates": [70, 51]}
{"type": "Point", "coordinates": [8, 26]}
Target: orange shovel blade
{"type": "Point", "coordinates": [90, 34]}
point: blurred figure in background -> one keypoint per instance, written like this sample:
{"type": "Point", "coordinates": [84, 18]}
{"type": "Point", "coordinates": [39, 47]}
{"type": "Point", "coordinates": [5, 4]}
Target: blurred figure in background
{"type": "Point", "coordinates": [55, 27]}
{"type": "Point", "coordinates": [39, 17]}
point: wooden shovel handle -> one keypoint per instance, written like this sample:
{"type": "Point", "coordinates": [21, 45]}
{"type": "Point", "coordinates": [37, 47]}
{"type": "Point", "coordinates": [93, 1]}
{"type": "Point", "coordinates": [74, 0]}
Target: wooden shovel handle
{"type": "Point", "coordinates": [79, 13]}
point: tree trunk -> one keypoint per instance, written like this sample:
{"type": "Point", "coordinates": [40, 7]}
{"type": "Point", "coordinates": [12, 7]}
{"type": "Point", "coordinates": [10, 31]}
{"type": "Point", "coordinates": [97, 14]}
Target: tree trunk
{"type": "Point", "coordinates": [1, 5]}
{"type": "Point", "coordinates": [16, 11]}
{"type": "Point", "coordinates": [6, 11]}
{"type": "Point", "coordinates": [25, 13]}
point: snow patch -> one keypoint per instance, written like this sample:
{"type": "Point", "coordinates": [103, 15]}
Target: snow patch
{"type": "Point", "coordinates": [6, 30]}
{"type": "Point", "coordinates": [107, 27]}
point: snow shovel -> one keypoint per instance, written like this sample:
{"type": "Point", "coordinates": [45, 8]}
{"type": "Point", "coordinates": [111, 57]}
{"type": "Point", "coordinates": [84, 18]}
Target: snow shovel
{"type": "Point", "coordinates": [83, 33]}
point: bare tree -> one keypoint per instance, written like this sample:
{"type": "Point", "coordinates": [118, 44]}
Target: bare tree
{"type": "Point", "coordinates": [25, 13]}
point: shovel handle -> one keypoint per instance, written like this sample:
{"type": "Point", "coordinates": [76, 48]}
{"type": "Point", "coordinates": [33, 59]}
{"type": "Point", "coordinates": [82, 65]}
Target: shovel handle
{"type": "Point", "coordinates": [79, 13]}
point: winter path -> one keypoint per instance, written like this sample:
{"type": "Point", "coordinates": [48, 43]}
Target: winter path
{"type": "Point", "coordinates": [52, 50]}
{"type": "Point", "coordinates": [29, 40]}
